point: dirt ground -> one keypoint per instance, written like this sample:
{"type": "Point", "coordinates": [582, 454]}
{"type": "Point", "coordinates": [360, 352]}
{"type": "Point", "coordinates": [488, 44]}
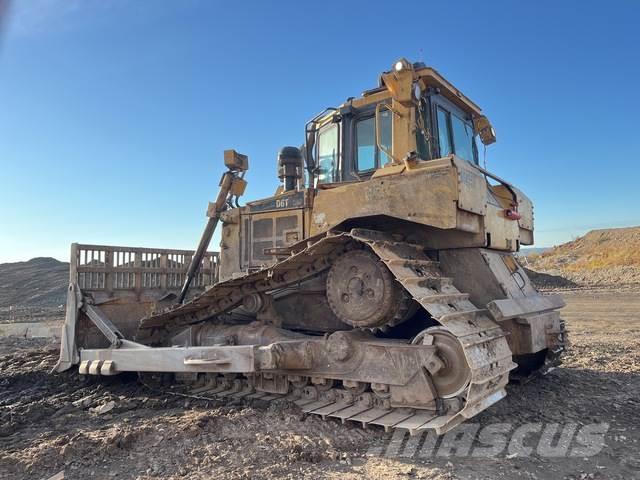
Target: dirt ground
{"type": "Point", "coordinates": [55, 423]}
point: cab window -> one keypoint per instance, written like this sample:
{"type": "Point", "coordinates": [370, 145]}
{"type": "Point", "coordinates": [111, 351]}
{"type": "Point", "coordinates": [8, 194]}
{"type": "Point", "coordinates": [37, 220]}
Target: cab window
{"type": "Point", "coordinates": [368, 155]}
{"type": "Point", "coordinates": [444, 132]}
{"type": "Point", "coordinates": [327, 153]}
{"type": "Point", "coordinates": [366, 144]}
{"type": "Point", "coordinates": [462, 138]}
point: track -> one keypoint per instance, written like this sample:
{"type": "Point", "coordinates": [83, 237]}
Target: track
{"type": "Point", "coordinates": [483, 341]}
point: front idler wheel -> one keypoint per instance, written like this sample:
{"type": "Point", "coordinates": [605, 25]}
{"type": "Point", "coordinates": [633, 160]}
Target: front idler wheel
{"type": "Point", "coordinates": [454, 376]}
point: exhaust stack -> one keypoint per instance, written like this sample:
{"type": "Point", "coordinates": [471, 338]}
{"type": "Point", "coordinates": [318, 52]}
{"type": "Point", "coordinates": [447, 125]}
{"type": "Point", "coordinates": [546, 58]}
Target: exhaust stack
{"type": "Point", "coordinates": [290, 167]}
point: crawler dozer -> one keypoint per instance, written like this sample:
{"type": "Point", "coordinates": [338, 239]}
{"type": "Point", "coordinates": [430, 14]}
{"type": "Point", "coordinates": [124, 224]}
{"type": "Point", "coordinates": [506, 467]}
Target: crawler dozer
{"type": "Point", "coordinates": [377, 285]}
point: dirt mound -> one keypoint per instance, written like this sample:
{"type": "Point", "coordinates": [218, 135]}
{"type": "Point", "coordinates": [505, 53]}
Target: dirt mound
{"type": "Point", "coordinates": [546, 281]}
{"type": "Point", "coordinates": [609, 257]}
{"type": "Point", "coordinates": [40, 282]}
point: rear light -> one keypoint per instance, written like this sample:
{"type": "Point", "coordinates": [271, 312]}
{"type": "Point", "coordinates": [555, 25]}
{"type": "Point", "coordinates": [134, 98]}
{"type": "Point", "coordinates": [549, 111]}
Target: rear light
{"type": "Point", "coordinates": [512, 214]}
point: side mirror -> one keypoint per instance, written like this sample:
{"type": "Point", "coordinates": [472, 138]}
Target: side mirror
{"type": "Point", "coordinates": [485, 130]}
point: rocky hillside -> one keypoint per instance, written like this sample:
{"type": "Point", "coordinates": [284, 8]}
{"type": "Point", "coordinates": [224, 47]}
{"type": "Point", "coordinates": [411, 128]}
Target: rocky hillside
{"type": "Point", "coordinates": [609, 257]}
{"type": "Point", "coordinates": [40, 282]}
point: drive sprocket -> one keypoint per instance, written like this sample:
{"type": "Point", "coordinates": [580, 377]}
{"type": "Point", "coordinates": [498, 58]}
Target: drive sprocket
{"type": "Point", "coordinates": [363, 293]}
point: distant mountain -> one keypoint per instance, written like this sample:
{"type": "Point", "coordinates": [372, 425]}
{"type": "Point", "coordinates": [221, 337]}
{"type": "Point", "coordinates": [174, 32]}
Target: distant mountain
{"type": "Point", "coordinates": [39, 282]}
{"type": "Point", "coordinates": [526, 251]}
{"type": "Point", "coordinates": [600, 257]}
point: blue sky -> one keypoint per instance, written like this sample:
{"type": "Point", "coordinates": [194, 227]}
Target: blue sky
{"type": "Point", "coordinates": [115, 113]}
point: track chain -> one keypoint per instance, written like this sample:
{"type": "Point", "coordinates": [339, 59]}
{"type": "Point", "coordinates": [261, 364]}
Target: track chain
{"type": "Point", "coordinates": [365, 408]}
{"type": "Point", "coordinates": [312, 258]}
{"type": "Point", "coordinates": [483, 341]}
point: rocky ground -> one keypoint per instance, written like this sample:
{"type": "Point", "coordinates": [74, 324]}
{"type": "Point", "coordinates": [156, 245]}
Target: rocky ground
{"type": "Point", "coordinates": [122, 428]}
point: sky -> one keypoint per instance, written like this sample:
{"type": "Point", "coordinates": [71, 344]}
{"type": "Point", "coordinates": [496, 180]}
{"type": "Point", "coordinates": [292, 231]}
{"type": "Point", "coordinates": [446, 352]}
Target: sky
{"type": "Point", "coordinates": [114, 114]}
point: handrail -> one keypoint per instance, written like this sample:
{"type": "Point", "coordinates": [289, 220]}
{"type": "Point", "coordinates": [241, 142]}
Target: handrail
{"type": "Point", "coordinates": [394, 160]}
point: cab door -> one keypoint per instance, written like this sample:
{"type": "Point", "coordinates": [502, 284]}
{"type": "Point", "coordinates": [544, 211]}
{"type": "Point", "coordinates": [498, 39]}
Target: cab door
{"type": "Point", "coordinates": [328, 154]}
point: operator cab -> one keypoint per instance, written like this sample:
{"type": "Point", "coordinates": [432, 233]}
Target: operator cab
{"type": "Point", "coordinates": [350, 143]}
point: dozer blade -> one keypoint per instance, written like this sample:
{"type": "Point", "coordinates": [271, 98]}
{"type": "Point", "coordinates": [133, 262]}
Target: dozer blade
{"type": "Point", "coordinates": [112, 288]}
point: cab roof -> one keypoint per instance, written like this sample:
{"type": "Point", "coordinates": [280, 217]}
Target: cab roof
{"type": "Point", "coordinates": [428, 77]}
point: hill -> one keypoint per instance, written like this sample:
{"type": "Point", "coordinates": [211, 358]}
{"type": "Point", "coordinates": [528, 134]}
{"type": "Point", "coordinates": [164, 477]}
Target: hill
{"type": "Point", "coordinates": [528, 251]}
{"type": "Point", "coordinates": [39, 282]}
{"type": "Point", "coordinates": [605, 257]}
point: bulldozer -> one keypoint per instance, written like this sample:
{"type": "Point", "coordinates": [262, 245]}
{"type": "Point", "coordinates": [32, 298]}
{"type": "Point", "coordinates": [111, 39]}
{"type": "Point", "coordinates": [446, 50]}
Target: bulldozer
{"type": "Point", "coordinates": [378, 285]}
